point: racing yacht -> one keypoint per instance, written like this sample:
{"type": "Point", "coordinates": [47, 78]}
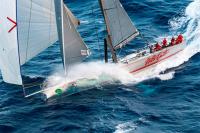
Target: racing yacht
{"type": "Point", "coordinates": [121, 30]}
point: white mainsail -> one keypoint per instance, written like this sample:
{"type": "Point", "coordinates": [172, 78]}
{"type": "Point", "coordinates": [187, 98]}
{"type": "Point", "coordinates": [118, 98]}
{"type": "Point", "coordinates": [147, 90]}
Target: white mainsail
{"type": "Point", "coordinates": [73, 47]}
{"type": "Point", "coordinates": [27, 28]}
{"type": "Point", "coordinates": [9, 55]}
{"type": "Point", "coordinates": [37, 28]}
{"type": "Point", "coordinates": [120, 28]}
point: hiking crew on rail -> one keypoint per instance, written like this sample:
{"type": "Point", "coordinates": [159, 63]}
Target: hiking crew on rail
{"type": "Point", "coordinates": [174, 41]}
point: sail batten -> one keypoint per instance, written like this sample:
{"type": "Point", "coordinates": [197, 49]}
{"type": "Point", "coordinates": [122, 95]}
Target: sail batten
{"type": "Point", "coordinates": [125, 41]}
{"type": "Point", "coordinates": [120, 28]}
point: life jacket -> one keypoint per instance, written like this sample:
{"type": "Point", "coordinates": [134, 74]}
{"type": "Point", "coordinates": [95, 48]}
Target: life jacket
{"type": "Point", "coordinates": [164, 42]}
{"type": "Point", "coordinates": [172, 41]}
{"type": "Point", "coordinates": [157, 47]}
{"type": "Point", "coordinates": [179, 39]}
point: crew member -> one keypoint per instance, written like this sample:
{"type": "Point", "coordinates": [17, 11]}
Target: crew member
{"type": "Point", "coordinates": [164, 43]}
{"type": "Point", "coordinates": [179, 39]}
{"type": "Point", "coordinates": [173, 41]}
{"type": "Point", "coordinates": [151, 48]}
{"type": "Point", "coordinates": [157, 47]}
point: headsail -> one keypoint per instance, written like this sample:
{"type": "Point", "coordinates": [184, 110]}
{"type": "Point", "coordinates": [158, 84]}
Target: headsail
{"type": "Point", "coordinates": [75, 21]}
{"type": "Point", "coordinates": [27, 28]}
{"type": "Point", "coordinates": [120, 28]}
{"type": "Point", "coordinates": [73, 47]}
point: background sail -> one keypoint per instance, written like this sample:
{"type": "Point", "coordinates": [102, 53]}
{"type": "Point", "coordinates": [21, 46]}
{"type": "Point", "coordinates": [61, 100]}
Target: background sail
{"type": "Point", "coordinates": [73, 48]}
{"type": "Point", "coordinates": [119, 25]}
{"type": "Point", "coordinates": [9, 57]}
{"type": "Point", "coordinates": [37, 28]}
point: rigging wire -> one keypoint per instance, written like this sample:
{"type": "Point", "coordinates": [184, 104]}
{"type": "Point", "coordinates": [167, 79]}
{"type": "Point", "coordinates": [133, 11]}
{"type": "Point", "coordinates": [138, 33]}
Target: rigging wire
{"type": "Point", "coordinates": [144, 39]}
{"type": "Point", "coordinates": [96, 30]}
{"type": "Point", "coordinates": [30, 85]}
{"type": "Point", "coordinates": [27, 43]}
{"type": "Point", "coordinates": [120, 52]}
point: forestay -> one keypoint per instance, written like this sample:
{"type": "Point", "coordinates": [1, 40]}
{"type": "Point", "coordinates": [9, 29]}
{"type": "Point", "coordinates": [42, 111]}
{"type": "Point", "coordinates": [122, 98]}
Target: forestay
{"type": "Point", "coordinates": [120, 28]}
{"type": "Point", "coordinates": [73, 47]}
{"type": "Point", "coordinates": [27, 28]}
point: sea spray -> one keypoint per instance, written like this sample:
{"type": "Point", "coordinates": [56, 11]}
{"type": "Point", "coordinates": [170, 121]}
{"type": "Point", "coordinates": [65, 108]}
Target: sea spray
{"type": "Point", "coordinates": [191, 19]}
{"type": "Point", "coordinates": [93, 70]}
{"type": "Point", "coordinates": [190, 24]}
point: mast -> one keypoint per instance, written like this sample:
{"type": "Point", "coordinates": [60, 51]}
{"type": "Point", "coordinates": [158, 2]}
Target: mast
{"type": "Point", "coordinates": [105, 51]}
{"type": "Point", "coordinates": [108, 41]}
{"type": "Point", "coordinates": [63, 40]}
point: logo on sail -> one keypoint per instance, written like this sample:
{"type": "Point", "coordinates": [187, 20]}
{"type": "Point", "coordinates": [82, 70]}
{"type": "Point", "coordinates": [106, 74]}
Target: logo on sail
{"type": "Point", "coordinates": [15, 24]}
{"type": "Point", "coordinates": [85, 52]}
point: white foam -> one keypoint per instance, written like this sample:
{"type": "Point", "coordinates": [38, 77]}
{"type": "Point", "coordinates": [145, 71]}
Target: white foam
{"type": "Point", "coordinates": [191, 19]}
{"type": "Point", "coordinates": [193, 9]}
{"type": "Point", "coordinates": [128, 127]}
{"type": "Point", "coordinates": [166, 76]}
{"type": "Point", "coordinates": [94, 70]}
{"type": "Point", "coordinates": [84, 22]}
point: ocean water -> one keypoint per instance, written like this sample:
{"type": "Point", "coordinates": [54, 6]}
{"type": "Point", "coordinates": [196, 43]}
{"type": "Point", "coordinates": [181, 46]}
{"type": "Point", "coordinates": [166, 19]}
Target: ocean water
{"type": "Point", "coordinates": [166, 100]}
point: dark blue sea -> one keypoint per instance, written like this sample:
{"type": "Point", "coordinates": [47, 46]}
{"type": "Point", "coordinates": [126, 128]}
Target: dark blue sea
{"type": "Point", "coordinates": [164, 102]}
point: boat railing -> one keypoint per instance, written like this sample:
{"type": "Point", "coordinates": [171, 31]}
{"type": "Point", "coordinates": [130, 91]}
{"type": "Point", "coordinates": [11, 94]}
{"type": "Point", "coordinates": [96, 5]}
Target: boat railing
{"type": "Point", "coordinates": [139, 53]}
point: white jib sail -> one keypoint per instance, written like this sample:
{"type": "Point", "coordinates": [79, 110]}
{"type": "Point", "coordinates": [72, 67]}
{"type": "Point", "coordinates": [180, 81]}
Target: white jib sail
{"type": "Point", "coordinates": [35, 31]}
{"type": "Point", "coordinates": [119, 25]}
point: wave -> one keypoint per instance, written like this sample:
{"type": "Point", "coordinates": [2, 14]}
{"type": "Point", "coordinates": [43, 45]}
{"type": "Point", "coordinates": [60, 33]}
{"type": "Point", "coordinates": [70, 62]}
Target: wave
{"type": "Point", "coordinates": [131, 126]}
{"type": "Point", "coordinates": [128, 127]}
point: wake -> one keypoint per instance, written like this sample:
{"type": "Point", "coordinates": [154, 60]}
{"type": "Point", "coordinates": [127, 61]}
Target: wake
{"type": "Point", "coordinates": [188, 24]}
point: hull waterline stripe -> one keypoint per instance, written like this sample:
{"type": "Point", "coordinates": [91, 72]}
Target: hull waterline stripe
{"type": "Point", "coordinates": [155, 62]}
